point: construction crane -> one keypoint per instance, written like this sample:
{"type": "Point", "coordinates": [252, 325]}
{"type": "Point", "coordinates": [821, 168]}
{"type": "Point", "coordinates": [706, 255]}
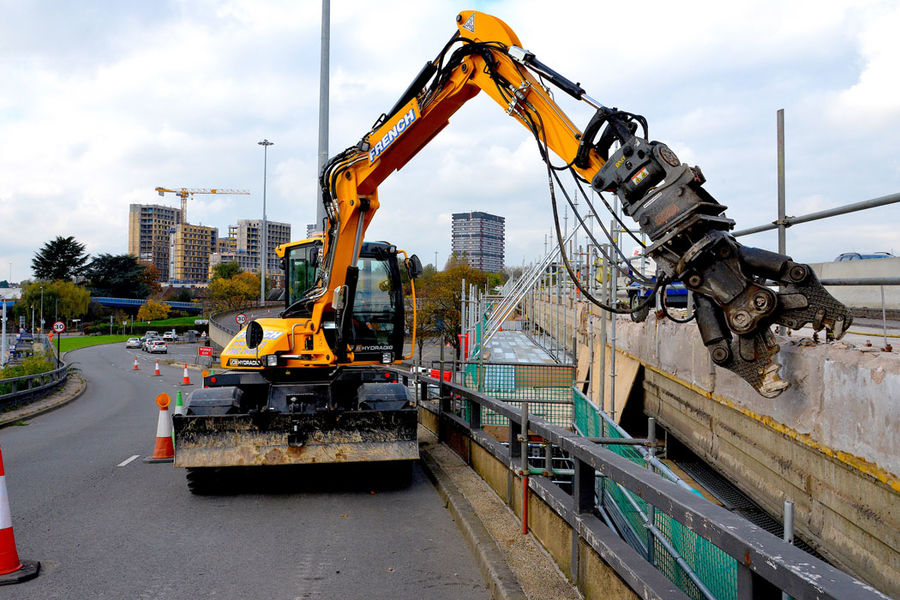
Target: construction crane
{"type": "Point", "coordinates": [183, 193]}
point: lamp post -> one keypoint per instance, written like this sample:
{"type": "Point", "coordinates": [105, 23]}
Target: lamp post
{"type": "Point", "coordinates": [42, 310]}
{"type": "Point", "coordinates": [264, 251]}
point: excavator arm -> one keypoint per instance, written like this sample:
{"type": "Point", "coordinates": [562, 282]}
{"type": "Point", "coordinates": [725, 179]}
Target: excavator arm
{"type": "Point", "coordinates": [736, 304]}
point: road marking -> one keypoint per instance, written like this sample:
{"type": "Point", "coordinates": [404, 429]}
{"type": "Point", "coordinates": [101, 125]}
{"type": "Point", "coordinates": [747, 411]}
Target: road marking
{"type": "Point", "coordinates": [127, 460]}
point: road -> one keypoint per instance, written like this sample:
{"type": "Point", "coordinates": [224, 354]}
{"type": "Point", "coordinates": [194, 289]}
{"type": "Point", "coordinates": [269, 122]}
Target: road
{"type": "Point", "coordinates": [107, 525]}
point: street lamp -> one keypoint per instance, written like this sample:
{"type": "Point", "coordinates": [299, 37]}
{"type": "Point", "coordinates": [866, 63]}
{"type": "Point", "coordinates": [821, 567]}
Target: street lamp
{"type": "Point", "coordinates": [42, 310]}
{"type": "Point", "coordinates": [264, 252]}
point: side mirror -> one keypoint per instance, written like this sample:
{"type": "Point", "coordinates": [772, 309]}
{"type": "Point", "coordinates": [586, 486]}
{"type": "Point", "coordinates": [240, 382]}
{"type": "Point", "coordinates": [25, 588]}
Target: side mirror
{"type": "Point", "coordinates": [414, 267]}
{"type": "Point", "coordinates": [313, 257]}
{"type": "Point", "coordinates": [254, 334]}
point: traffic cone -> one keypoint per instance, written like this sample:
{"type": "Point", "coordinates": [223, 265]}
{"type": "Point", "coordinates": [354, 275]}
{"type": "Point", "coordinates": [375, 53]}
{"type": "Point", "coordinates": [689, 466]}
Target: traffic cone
{"type": "Point", "coordinates": [186, 380]}
{"type": "Point", "coordinates": [164, 450]}
{"type": "Point", "coordinates": [179, 404]}
{"type": "Point", "coordinates": [135, 363]}
{"type": "Point", "coordinates": [12, 570]}
{"type": "Point", "coordinates": [156, 372]}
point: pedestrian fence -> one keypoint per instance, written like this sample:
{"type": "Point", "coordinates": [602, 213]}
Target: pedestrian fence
{"type": "Point", "coordinates": [631, 491]}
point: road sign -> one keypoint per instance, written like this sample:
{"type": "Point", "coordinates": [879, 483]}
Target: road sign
{"type": "Point", "coordinates": [240, 319]}
{"type": "Point", "coordinates": [204, 351]}
{"type": "Point", "coordinates": [59, 327]}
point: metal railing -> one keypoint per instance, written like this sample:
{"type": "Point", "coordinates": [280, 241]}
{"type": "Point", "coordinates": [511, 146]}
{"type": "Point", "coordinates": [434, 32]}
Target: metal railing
{"type": "Point", "coordinates": [18, 391]}
{"type": "Point", "coordinates": [765, 563]}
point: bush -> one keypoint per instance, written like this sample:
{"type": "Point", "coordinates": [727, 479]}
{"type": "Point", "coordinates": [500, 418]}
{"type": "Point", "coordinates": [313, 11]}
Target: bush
{"type": "Point", "coordinates": [31, 365]}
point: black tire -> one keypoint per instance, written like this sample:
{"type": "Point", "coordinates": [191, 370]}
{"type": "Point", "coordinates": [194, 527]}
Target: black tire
{"type": "Point", "coordinates": [638, 315]}
{"type": "Point", "coordinates": [208, 481]}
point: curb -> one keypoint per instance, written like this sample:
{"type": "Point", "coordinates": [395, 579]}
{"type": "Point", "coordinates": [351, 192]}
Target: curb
{"type": "Point", "coordinates": [46, 409]}
{"type": "Point", "coordinates": [502, 583]}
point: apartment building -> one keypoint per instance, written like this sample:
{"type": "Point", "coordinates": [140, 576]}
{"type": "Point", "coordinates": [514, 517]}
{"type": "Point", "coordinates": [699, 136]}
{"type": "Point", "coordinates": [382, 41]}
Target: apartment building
{"type": "Point", "coordinates": [247, 235]}
{"type": "Point", "coordinates": [480, 238]}
{"type": "Point", "coordinates": [149, 227]}
{"type": "Point", "coordinates": [190, 247]}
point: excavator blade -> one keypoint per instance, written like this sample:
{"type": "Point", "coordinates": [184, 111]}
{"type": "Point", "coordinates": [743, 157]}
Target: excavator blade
{"type": "Point", "coordinates": [291, 439]}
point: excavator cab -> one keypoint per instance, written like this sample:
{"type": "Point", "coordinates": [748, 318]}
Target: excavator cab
{"type": "Point", "coordinates": [373, 317]}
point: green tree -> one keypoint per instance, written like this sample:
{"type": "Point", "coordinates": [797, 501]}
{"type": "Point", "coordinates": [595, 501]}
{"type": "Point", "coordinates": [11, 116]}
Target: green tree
{"type": "Point", "coordinates": [439, 311]}
{"type": "Point", "coordinates": [227, 270]}
{"type": "Point", "coordinates": [118, 276]}
{"type": "Point", "coordinates": [60, 258]}
{"type": "Point", "coordinates": [62, 299]}
{"type": "Point", "coordinates": [229, 294]}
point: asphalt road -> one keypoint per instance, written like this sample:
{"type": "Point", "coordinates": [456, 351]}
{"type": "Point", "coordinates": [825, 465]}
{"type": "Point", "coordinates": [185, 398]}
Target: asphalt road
{"type": "Point", "coordinates": [106, 525]}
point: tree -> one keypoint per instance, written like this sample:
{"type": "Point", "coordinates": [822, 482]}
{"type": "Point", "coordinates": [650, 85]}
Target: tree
{"type": "Point", "coordinates": [440, 314]}
{"type": "Point", "coordinates": [229, 294]}
{"type": "Point", "coordinates": [153, 310]}
{"type": "Point", "coordinates": [227, 270]}
{"type": "Point", "coordinates": [117, 276]}
{"type": "Point", "coordinates": [60, 258]}
{"type": "Point", "coordinates": [150, 278]}
{"type": "Point", "coordinates": [62, 299]}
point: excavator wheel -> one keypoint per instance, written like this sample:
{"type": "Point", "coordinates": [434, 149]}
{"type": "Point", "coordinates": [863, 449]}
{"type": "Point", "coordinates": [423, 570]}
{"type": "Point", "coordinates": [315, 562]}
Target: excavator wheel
{"type": "Point", "coordinates": [208, 481]}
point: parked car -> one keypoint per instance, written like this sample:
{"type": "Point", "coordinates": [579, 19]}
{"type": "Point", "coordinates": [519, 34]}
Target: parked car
{"type": "Point", "coordinates": [133, 343]}
{"type": "Point", "coordinates": [169, 336]}
{"type": "Point", "coordinates": [857, 256]}
{"type": "Point", "coordinates": [158, 346]}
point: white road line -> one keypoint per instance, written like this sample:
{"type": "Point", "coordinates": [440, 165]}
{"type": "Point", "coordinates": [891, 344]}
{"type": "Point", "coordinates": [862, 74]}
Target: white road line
{"type": "Point", "coordinates": [127, 460]}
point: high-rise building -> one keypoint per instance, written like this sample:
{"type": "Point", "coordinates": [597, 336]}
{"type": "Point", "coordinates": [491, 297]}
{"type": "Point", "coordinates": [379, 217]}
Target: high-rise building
{"type": "Point", "coordinates": [189, 249]}
{"type": "Point", "coordinates": [479, 237]}
{"type": "Point", "coordinates": [247, 233]}
{"type": "Point", "coordinates": [149, 226]}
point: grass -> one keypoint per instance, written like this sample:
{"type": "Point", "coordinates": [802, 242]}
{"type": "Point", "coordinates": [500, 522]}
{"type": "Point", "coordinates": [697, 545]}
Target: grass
{"type": "Point", "coordinates": [83, 341]}
{"type": "Point", "coordinates": [176, 322]}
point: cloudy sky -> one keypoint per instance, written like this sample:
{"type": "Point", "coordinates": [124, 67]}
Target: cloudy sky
{"type": "Point", "coordinates": [100, 102]}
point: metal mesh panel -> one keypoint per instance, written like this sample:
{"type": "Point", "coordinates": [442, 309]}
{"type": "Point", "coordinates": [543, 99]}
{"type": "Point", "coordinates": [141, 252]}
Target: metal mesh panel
{"type": "Point", "coordinates": [716, 569]}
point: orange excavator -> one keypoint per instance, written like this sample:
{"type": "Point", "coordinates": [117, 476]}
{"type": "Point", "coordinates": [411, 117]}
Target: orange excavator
{"type": "Point", "coordinates": [316, 361]}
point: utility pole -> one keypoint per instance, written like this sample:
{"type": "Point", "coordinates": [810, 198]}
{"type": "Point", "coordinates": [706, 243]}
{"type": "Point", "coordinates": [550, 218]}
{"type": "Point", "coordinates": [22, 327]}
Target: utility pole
{"type": "Point", "coordinates": [323, 101]}
{"type": "Point", "coordinates": [264, 242]}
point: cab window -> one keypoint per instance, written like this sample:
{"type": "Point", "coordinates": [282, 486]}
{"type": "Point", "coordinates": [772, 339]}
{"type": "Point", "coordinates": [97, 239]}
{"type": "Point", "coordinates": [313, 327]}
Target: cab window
{"type": "Point", "coordinates": [374, 307]}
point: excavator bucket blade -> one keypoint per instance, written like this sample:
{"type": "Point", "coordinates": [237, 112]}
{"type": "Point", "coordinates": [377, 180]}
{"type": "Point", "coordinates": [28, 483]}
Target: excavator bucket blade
{"type": "Point", "coordinates": [286, 439]}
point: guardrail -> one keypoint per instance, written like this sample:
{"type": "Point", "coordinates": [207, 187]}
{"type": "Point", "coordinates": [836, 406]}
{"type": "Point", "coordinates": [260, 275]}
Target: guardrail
{"type": "Point", "coordinates": [28, 388]}
{"type": "Point", "coordinates": [765, 563]}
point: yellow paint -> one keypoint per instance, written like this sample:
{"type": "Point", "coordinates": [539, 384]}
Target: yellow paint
{"type": "Point", "coordinates": [856, 462]}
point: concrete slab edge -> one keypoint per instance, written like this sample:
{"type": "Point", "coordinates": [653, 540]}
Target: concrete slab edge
{"type": "Point", "coordinates": [501, 581]}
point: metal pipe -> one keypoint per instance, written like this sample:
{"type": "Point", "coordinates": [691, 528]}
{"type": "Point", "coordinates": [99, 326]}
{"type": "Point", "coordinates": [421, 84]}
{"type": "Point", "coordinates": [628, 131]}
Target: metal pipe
{"type": "Point", "coordinates": [782, 241]}
{"type": "Point", "coordinates": [861, 281]}
{"type": "Point", "coordinates": [788, 534]}
{"type": "Point", "coordinates": [614, 285]}
{"type": "Point", "coordinates": [824, 214]}
{"type": "Point", "coordinates": [883, 318]}
{"type": "Point", "coordinates": [683, 564]}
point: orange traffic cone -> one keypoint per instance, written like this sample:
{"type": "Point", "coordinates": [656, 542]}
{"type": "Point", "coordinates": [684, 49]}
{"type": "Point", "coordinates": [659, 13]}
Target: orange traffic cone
{"type": "Point", "coordinates": [156, 370]}
{"type": "Point", "coordinates": [12, 570]}
{"type": "Point", "coordinates": [186, 380]}
{"type": "Point", "coordinates": [164, 450]}
{"type": "Point", "coordinates": [135, 363]}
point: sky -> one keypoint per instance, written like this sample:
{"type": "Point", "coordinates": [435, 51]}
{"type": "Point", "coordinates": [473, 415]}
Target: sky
{"type": "Point", "coordinates": [101, 102]}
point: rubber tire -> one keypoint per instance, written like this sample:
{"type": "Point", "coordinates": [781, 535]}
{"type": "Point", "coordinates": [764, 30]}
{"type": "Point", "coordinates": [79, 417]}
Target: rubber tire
{"type": "Point", "coordinates": [206, 481]}
{"type": "Point", "coordinates": [640, 315]}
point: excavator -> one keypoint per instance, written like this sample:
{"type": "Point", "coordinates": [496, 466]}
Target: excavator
{"type": "Point", "coordinates": [310, 385]}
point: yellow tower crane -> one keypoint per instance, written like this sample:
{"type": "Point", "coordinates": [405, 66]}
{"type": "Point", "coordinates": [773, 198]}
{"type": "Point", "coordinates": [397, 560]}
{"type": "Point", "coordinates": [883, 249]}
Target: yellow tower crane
{"type": "Point", "coordinates": [183, 193]}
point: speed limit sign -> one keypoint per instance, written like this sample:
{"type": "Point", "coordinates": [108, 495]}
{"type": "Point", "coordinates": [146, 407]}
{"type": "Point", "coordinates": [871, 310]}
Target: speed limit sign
{"type": "Point", "coordinates": [59, 327]}
{"type": "Point", "coordinates": [240, 319]}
